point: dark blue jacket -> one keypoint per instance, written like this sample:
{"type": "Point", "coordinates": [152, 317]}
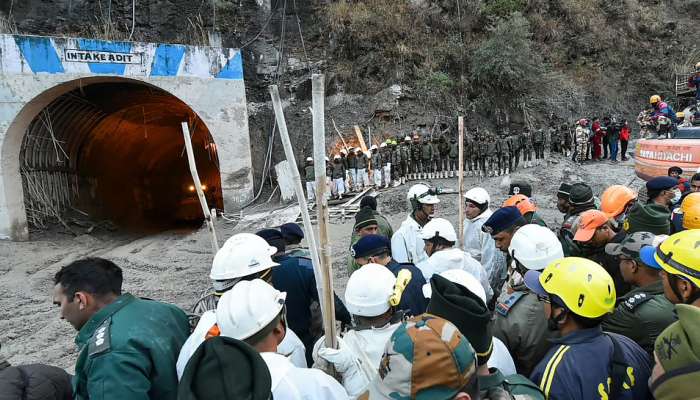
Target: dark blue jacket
{"type": "Point", "coordinates": [295, 275]}
{"type": "Point", "coordinates": [412, 301]}
{"type": "Point", "coordinates": [579, 367]}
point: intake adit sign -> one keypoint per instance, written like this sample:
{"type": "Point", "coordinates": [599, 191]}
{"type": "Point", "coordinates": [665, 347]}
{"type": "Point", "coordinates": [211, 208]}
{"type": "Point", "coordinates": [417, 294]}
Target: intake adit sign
{"type": "Point", "coordinates": [104, 57]}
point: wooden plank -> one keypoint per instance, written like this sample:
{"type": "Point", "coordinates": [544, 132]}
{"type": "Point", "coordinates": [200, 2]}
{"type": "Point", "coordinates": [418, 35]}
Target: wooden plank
{"type": "Point", "coordinates": [460, 180]}
{"type": "Point", "coordinates": [358, 133]}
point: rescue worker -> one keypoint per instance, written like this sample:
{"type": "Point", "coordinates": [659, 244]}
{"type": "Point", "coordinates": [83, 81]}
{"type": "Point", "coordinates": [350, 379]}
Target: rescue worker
{"type": "Point", "coordinates": [416, 160]}
{"type": "Point", "coordinates": [664, 191]}
{"type": "Point", "coordinates": [352, 171]}
{"type": "Point", "coordinates": [694, 82]}
{"type": "Point", "coordinates": [361, 170]}
{"type": "Point", "coordinates": [338, 176]}
{"type": "Point", "coordinates": [661, 109]}
{"type": "Point", "coordinates": [293, 235]}
{"type": "Point", "coordinates": [678, 258]}
{"type": "Point", "coordinates": [376, 165]}
{"type": "Point", "coordinates": [492, 153]}
{"type": "Point", "coordinates": [615, 203]}
{"type": "Point", "coordinates": [566, 137]}
{"type": "Point", "coordinates": [501, 225]}
{"type": "Point", "coordinates": [477, 243]}
{"type": "Point", "coordinates": [582, 138]}
{"type": "Point", "coordinates": [444, 156]}
{"type": "Point", "coordinates": [652, 218]}
{"type": "Point", "coordinates": [254, 312]}
{"type": "Point", "coordinates": [613, 138]}
{"type": "Point", "coordinates": [243, 256]}
{"type": "Point", "coordinates": [645, 123]}
{"type": "Point", "coordinates": [383, 226]}
{"type": "Point", "coordinates": [310, 178]}
{"type": "Point", "coordinates": [459, 303]}
{"type": "Point", "coordinates": [585, 363]}
{"type": "Point", "coordinates": [506, 153]}
{"type": "Point", "coordinates": [295, 276]}
{"type": "Point", "coordinates": [519, 319]}
{"type": "Point", "coordinates": [643, 312]}
{"type": "Point", "coordinates": [396, 166]}
{"type": "Point", "coordinates": [526, 207]}
{"type": "Point", "coordinates": [526, 146]}
{"type": "Point", "coordinates": [34, 382]}
{"type": "Point", "coordinates": [344, 160]}
{"type": "Point", "coordinates": [605, 126]}
{"type": "Point", "coordinates": [121, 354]}
{"type": "Point", "coordinates": [371, 296]}
{"type": "Point", "coordinates": [580, 199]}
{"type": "Point", "coordinates": [426, 157]}
{"type": "Point", "coordinates": [677, 173]}
{"type": "Point", "coordinates": [687, 216]}
{"type": "Point", "coordinates": [563, 204]}
{"type": "Point", "coordinates": [453, 156]}
{"type": "Point", "coordinates": [406, 165]}
{"type": "Point", "coordinates": [555, 140]}
{"type": "Point", "coordinates": [406, 243]}
{"type": "Point", "coordinates": [625, 136]}
{"type": "Point", "coordinates": [365, 224]}
{"type": "Point", "coordinates": [538, 140]}
{"type": "Point", "coordinates": [377, 249]}
{"type": "Point", "coordinates": [515, 146]}
{"type": "Point", "coordinates": [440, 237]}
{"type": "Point", "coordinates": [595, 232]}
{"type": "Point", "coordinates": [386, 164]}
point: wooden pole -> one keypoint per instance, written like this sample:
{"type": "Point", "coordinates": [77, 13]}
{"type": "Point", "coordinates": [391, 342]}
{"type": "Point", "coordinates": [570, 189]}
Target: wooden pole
{"type": "Point", "coordinates": [198, 187]}
{"type": "Point", "coordinates": [308, 229]}
{"type": "Point", "coordinates": [460, 180]}
{"type": "Point", "coordinates": [319, 131]}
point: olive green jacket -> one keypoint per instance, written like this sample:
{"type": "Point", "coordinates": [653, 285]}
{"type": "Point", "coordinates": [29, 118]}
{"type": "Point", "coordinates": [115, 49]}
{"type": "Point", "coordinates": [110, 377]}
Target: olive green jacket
{"type": "Point", "coordinates": [641, 315]}
{"type": "Point", "coordinates": [128, 350]}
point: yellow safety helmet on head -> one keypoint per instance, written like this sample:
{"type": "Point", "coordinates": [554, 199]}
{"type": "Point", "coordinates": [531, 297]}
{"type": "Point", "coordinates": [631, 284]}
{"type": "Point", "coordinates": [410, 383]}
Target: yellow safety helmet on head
{"type": "Point", "coordinates": [585, 287]}
{"type": "Point", "coordinates": [690, 207]}
{"type": "Point", "coordinates": [679, 255]}
{"type": "Point", "coordinates": [654, 99]}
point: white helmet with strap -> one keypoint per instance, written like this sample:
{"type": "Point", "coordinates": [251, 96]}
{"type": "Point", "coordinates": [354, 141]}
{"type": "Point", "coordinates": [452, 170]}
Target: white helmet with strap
{"type": "Point", "coordinates": [478, 195]}
{"type": "Point", "coordinates": [461, 277]}
{"type": "Point", "coordinates": [421, 193]}
{"type": "Point", "coordinates": [439, 227]}
{"type": "Point", "coordinates": [369, 289]}
{"type": "Point", "coordinates": [243, 254]}
{"type": "Point", "coordinates": [535, 247]}
{"type": "Point", "coordinates": [247, 308]}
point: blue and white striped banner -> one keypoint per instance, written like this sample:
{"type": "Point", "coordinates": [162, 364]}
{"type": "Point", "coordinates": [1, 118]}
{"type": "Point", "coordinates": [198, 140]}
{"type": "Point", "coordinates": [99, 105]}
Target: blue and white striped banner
{"type": "Point", "coordinates": [51, 55]}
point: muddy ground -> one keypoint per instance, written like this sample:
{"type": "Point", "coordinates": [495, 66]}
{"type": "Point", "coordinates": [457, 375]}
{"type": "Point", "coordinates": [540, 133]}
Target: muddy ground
{"type": "Point", "coordinates": [173, 266]}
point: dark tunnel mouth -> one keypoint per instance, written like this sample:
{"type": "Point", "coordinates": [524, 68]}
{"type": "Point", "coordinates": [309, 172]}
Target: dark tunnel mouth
{"type": "Point", "coordinates": [114, 151]}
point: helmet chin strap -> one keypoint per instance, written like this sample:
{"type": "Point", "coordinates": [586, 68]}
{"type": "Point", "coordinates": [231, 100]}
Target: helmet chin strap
{"type": "Point", "coordinates": [553, 322]}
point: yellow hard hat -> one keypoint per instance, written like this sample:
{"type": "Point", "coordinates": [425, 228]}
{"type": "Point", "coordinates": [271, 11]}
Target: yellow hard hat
{"type": "Point", "coordinates": [678, 255]}
{"type": "Point", "coordinates": [584, 286]}
{"type": "Point", "coordinates": [654, 99]}
{"type": "Point", "coordinates": [614, 200]}
{"type": "Point", "coordinates": [691, 211]}
{"type": "Point", "coordinates": [680, 115]}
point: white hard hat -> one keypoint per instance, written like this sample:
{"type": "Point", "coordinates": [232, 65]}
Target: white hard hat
{"type": "Point", "coordinates": [383, 144]}
{"type": "Point", "coordinates": [327, 159]}
{"type": "Point", "coordinates": [374, 146]}
{"type": "Point", "coordinates": [357, 149]}
{"type": "Point", "coordinates": [247, 308]}
{"type": "Point", "coordinates": [478, 195]}
{"type": "Point", "coordinates": [439, 227]}
{"type": "Point", "coordinates": [369, 289]}
{"type": "Point", "coordinates": [343, 151]}
{"type": "Point", "coordinates": [407, 139]}
{"type": "Point", "coordinates": [421, 193]}
{"type": "Point", "coordinates": [336, 157]}
{"type": "Point", "coordinates": [309, 159]}
{"type": "Point", "coordinates": [243, 254]}
{"type": "Point", "coordinates": [460, 277]}
{"type": "Point", "coordinates": [535, 247]}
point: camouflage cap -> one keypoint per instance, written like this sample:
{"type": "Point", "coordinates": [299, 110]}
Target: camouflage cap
{"type": "Point", "coordinates": [426, 358]}
{"type": "Point", "coordinates": [631, 245]}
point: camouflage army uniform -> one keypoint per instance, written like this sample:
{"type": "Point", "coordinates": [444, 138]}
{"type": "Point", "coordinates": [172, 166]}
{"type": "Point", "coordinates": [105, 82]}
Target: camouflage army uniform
{"type": "Point", "coordinates": [482, 154]}
{"type": "Point", "coordinates": [565, 133]}
{"type": "Point", "coordinates": [554, 141]}
{"type": "Point", "coordinates": [436, 163]}
{"type": "Point", "coordinates": [454, 157]}
{"type": "Point", "coordinates": [426, 156]}
{"type": "Point", "coordinates": [538, 144]}
{"type": "Point", "coordinates": [416, 165]}
{"type": "Point", "coordinates": [492, 147]}
{"type": "Point", "coordinates": [506, 152]}
{"type": "Point", "coordinates": [515, 145]}
{"type": "Point", "coordinates": [526, 146]}
{"type": "Point", "coordinates": [396, 170]}
{"type": "Point", "coordinates": [445, 156]}
{"type": "Point", "coordinates": [405, 150]}
{"type": "Point", "coordinates": [582, 141]}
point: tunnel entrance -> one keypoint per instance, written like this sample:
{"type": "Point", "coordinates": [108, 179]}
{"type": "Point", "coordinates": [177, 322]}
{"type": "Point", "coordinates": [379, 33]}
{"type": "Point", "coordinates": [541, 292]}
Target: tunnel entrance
{"type": "Point", "coordinates": [113, 151]}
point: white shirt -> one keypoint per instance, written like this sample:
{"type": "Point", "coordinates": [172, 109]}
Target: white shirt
{"type": "Point", "coordinates": [291, 345]}
{"type": "Point", "coordinates": [293, 383]}
{"type": "Point", "coordinates": [501, 358]}
{"type": "Point", "coordinates": [455, 258]}
{"type": "Point", "coordinates": [407, 245]}
{"type": "Point", "coordinates": [482, 247]}
{"type": "Point", "coordinates": [368, 347]}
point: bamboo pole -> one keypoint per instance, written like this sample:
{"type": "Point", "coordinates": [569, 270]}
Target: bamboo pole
{"type": "Point", "coordinates": [299, 190]}
{"type": "Point", "coordinates": [198, 187]}
{"type": "Point", "coordinates": [460, 180]}
{"type": "Point", "coordinates": [319, 131]}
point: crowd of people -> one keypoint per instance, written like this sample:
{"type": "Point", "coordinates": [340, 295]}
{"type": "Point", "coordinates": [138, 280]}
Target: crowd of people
{"type": "Point", "coordinates": [603, 305]}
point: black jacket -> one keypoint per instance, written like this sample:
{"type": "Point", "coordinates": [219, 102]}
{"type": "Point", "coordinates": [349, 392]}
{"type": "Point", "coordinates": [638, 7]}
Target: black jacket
{"type": "Point", "coordinates": [34, 382]}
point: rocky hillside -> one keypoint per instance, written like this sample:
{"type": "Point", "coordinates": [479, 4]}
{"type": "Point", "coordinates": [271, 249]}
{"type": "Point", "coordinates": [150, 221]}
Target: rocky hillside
{"type": "Point", "coordinates": [392, 65]}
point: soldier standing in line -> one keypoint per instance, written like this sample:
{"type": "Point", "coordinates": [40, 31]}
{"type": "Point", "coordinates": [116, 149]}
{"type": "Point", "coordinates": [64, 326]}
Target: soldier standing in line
{"type": "Point", "coordinates": [526, 145]}
{"type": "Point", "coordinates": [555, 140]}
{"type": "Point", "coordinates": [416, 162]}
{"type": "Point", "coordinates": [469, 152]}
{"type": "Point", "coordinates": [385, 154]}
{"type": "Point", "coordinates": [436, 159]}
{"type": "Point", "coordinates": [481, 150]}
{"type": "Point", "coordinates": [491, 153]}
{"type": "Point", "coordinates": [582, 139]}
{"type": "Point", "coordinates": [506, 155]}
{"type": "Point", "coordinates": [538, 143]}
{"type": "Point", "coordinates": [444, 155]}
{"type": "Point", "coordinates": [405, 150]}
{"type": "Point", "coordinates": [453, 156]}
{"type": "Point", "coordinates": [352, 170]}
{"type": "Point", "coordinates": [362, 178]}
{"type": "Point", "coordinates": [426, 156]}
{"type": "Point", "coordinates": [498, 167]}
{"type": "Point", "coordinates": [514, 141]}
{"type": "Point", "coordinates": [396, 171]}
{"type": "Point", "coordinates": [565, 133]}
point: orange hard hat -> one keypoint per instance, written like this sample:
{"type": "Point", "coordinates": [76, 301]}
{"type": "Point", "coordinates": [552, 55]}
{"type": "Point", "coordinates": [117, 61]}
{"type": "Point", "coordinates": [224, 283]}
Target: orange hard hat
{"type": "Point", "coordinates": [514, 200]}
{"type": "Point", "coordinates": [615, 199]}
{"type": "Point", "coordinates": [691, 211]}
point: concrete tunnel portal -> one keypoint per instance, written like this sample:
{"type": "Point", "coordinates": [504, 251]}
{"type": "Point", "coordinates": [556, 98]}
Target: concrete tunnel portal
{"type": "Point", "coordinates": [114, 150]}
{"type": "Point", "coordinates": [90, 131]}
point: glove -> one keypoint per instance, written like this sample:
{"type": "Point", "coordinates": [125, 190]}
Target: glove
{"type": "Point", "coordinates": [347, 366]}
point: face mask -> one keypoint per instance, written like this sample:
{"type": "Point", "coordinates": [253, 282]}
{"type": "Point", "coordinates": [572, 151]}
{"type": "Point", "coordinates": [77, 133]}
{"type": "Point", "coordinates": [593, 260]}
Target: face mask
{"type": "Point", "coordinates": [676, 196]}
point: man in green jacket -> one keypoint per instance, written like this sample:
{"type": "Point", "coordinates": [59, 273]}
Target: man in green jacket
{"type": "Point", "coordinates": [643, 312]}
{"type": "Point", "coordinates": [128, 346]}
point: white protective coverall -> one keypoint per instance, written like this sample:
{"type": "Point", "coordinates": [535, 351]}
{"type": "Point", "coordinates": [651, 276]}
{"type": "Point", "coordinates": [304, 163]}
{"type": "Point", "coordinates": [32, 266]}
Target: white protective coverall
{"type": "Point", "coordinates": [407, 245]}
{"type": "Point", "coordinates": [481, 246]}
{"type": "Point", "coordinates": [291, 346]}
{"type": "Point", "coordinates": [293, 383]}
{"type": "Point", "coordinates": [455, 258]}
{"type": "Point", "coordinates": [501, 358]}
